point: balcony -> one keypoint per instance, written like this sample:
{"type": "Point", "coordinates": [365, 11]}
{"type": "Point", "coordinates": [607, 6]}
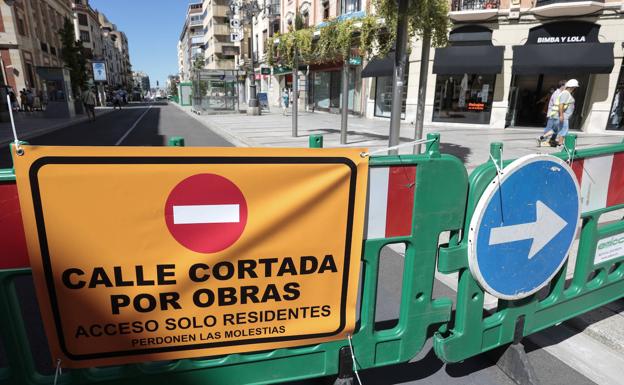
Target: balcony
{"type": "Point", "coordinates": [195, 21]}
{"type": "Point", "coordinates": [474, 10]}
{"type": "Point", "coordinates": [219, 10]}
{"type": "Point", "coordinates": [197, 39]}
{"type": "Point", "coordinates": [220, 29]}
{"type": "Point", "coordinates": [226, 49]}
{"type": "Point", "coordinates": [559, 8]}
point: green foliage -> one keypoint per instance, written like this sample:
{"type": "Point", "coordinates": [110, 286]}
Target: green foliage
{"type": "Point", "coordinates": [74, 58]}
{"type": "Point", "coordinates": [334, 43]}
{"type": "Point", "coordinates": [424, 16]}
{"type": "Point", "coordinates": [173, 88]}
{"type": "Point", "coordinates": [199, 63]}
{"type": "Point", "coordinates": [373, 36]}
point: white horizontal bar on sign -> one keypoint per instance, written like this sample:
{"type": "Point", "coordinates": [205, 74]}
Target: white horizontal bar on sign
{"type": "Point", "coordinates": [195, 214]}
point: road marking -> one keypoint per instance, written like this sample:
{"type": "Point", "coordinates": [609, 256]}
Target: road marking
{"type": "Point", "coordinates": [136, 122]}
{"type": "Point", "coordinates": [193, 214]}
{"type": "Point", "coordinates": [546, 226]}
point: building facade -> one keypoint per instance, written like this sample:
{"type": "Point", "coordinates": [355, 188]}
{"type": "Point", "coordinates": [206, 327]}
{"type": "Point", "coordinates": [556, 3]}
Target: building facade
{"type": "Point", "coordinates": [29, 39]}
{"type": "Point", "coordinates": [102, 42]}
{"type": "Point", "coordinates": [505, 58]}
{"type": "Point", "coordinates": [206, 34]}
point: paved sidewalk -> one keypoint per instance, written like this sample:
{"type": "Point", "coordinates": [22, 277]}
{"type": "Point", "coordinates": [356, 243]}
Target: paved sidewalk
{"type": "Point", "coordinates": [31, 124]}
{"type": "Point", "coordinates": [471, 145]}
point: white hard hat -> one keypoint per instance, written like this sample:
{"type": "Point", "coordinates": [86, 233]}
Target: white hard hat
{"type": "Point", "coordinates": [572, 83]}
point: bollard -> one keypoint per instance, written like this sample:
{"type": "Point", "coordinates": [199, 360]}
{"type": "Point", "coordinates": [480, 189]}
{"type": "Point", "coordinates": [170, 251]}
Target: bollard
{"type": "Point", "coordinates": [433, 148]}
{"type": "Point", "coordinates": [315, 141]}
{"type": "Point", "coordinates": [569, 145]}
{"type": "Point", "coordinates": [176, 141]}
{"type": "Point", "coordinates": [496, 151]}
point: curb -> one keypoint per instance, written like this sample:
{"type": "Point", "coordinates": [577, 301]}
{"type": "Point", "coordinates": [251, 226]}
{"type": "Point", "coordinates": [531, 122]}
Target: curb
{"type": "Point", "coordinates": [225, 134]}
{"type": "Point", "coordinates": [47, 130]}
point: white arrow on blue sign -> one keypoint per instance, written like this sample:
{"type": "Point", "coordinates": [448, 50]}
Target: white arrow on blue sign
{"type": "Point", "coordinates": [523, 226]}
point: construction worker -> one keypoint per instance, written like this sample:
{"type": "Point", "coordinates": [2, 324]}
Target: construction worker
{"type": "Point", "coordinates": [565, 105]}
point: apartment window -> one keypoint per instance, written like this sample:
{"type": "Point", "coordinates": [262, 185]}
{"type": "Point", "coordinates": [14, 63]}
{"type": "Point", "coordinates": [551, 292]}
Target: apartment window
{"type": "Point", "coordinates": [30, 75]}
{"type": "Point", "coordinates": [348, 6]}
{"type": "Point", "coordinates": [21, 26]}
{"type": "Point", "coordinates": [305, 15]}
{"type": "Point", "coordinates": [44, 47]}
{"type": "Point", "coordinates": [325, 10]}
{"type": "Point", "coordinates": [53, 50]}
{"type": "Point", "coordinates": [82, 19]}
{"type": "Point", "coordinates": [265, 39]}
{"type": "Point", "coordinates": [85, 36]}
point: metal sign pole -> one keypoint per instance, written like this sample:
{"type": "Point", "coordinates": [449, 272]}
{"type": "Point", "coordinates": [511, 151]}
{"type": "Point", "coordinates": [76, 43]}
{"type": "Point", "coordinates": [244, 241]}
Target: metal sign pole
{"type": "Point", "coordinates": [398, 76]}
{"type": "Point", "coordinates": [295, 94]}
{"type": "Point", "coordinates": [345, 101]}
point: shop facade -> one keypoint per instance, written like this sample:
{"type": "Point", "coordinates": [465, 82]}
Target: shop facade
{"type": "Point", "coordinates": [500, 74]}
{"type": "Point", "coordinates": [324, 88]}
{"type": "Point", "coordinates": [380, 73]}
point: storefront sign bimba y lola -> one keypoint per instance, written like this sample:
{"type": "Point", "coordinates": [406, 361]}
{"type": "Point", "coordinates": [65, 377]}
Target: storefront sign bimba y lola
{"type": "Point", "coordinates": [565, 32]}
{"type": "Point", "coordinates": [165, 253]}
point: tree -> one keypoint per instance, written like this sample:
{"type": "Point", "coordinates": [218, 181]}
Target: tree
{"type": "Point", "coordinates": [73, 56]}
{"type": "Point", "coordinates": [427, 19]}
{"type": "Point", "coordinates": [173, 88]}
{"type": "Point", "coordinates": [199, 63]}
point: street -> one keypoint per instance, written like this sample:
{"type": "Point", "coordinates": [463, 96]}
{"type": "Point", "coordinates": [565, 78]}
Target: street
{"type": "Point", "coordinates": [152, 124]}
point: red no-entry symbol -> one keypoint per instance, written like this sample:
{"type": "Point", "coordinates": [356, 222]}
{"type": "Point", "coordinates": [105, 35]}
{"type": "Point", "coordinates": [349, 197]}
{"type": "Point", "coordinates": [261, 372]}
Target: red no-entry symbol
{"type": "Point", "coordinates": [206, 213]}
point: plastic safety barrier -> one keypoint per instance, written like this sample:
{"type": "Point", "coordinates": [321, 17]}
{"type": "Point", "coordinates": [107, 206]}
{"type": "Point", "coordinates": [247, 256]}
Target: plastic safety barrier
{"type": "Point", "coordinates": [438, 205]}
{"type": "Point", "coordinates": [594, 283]}
{"type": "Point", "coordinates": [412, 200]}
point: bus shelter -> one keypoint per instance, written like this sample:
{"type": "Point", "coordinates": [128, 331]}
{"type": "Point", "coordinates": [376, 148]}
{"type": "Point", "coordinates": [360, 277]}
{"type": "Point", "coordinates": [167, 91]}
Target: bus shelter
{"type": "Point", "coordinates": [215, 90]}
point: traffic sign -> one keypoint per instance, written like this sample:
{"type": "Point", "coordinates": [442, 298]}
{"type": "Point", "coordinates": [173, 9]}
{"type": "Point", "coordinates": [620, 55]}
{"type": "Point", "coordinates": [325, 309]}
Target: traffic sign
{"type": "Point", "coordinates": [206, 213]}
{"type": "Point", "coordinates": [235, 36]}
{"type": "Point", "coordinates": [189, 252]}
{"type": "Point", "coordinates": [523, 226]}
{"type": "Point", "coordinates": [99, 71]}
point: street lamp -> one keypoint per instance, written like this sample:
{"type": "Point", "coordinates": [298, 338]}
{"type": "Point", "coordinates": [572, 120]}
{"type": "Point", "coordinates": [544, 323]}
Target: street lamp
{"type": "Point", "coordinates": [247, 11]}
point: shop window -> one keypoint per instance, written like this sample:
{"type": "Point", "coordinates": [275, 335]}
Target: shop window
{"type": "Point", "coordinates": [616, 113]}
{"type": "Point", "coordinates": [464, 98]}
{"type": "Point", "coordinates": [383, 96]}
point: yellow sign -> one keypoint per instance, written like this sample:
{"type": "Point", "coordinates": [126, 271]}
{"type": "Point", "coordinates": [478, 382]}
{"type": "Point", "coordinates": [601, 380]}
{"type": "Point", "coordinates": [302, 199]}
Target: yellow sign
{"type": "Point", "coordinates": [165, 253]}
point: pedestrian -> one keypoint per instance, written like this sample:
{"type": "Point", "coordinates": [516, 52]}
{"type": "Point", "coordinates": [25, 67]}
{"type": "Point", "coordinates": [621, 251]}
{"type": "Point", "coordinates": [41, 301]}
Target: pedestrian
{"type": "Point", "coordinates": [23, 100]}
{"type": "Point", "coordinates": [14, 105]}
{"type": "Point", "coordinates": [30, 100]}
{"type": "Point", "coordinates": [564, 108]}
{"type": "Point", "coordinates": [44, 100]}
{"type": "Point", "coordinates": [285, 101]}
{"type": "Point", "coordinates": [117, 100]}
{"type": "Point", "coordinates": [88, 99]}
{"type": "Point", "coordinates": [551, 115]}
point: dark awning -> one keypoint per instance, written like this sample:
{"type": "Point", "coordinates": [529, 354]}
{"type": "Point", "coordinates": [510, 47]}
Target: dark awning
{"type": "Point", "coordinates": [470, 59]}
{"type": "Point", "coordinates": [595, 58]}
{"type": "Point", "coordinates": [379, 67]}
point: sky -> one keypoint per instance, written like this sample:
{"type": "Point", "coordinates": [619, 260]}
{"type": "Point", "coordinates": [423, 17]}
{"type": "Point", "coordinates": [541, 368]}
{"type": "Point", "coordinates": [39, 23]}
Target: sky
{"type": "Point", "coordinates": [153, 29]}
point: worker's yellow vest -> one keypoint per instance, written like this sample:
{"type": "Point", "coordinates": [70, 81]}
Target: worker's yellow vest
{"type": "Point", "coordinates": [554, 112]}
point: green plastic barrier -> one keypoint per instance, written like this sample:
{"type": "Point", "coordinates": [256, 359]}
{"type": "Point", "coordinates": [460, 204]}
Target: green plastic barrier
{"type": "Point", "coordinates": [440, 190]}
{"type": "Point", "coordinates": [591, 286]}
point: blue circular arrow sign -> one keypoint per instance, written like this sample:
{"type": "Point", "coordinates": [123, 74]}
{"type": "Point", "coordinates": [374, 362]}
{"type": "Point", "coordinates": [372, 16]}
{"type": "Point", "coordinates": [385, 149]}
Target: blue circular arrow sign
{"type": "Point", "coordinates": [523, 226]}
